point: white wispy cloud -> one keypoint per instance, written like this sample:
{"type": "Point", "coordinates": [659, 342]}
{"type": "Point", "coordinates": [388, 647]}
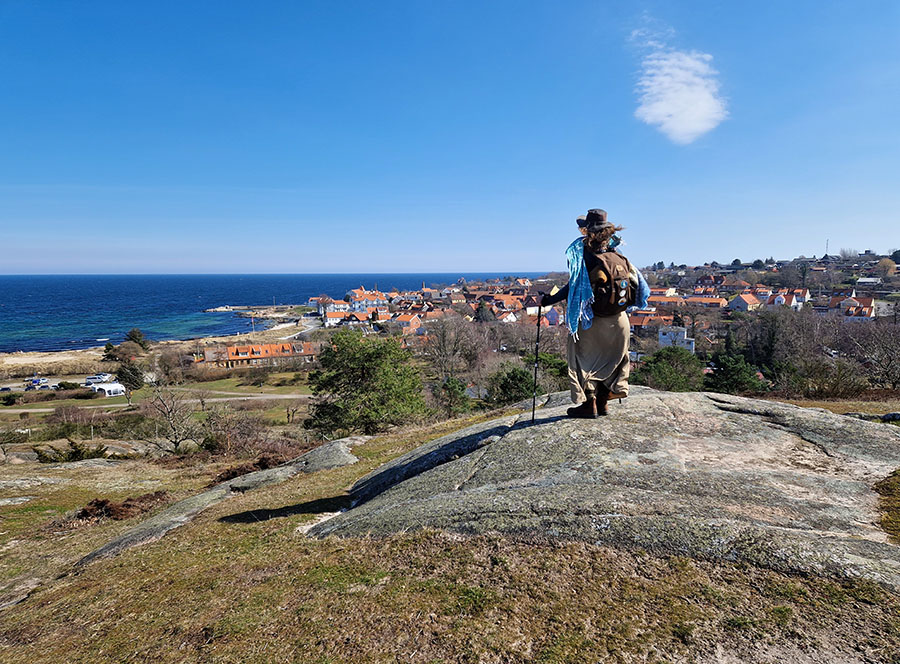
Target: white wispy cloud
{"type": "Point", "coordinates": [678, 90]}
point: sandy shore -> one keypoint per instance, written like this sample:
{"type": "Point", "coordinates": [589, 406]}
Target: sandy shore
{"type": "Point", "coordinates": [90, 360]}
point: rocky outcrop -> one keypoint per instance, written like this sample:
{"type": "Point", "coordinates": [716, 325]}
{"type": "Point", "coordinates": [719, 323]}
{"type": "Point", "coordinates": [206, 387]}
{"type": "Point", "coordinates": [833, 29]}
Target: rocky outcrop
{"type": "Point", "coordinates": [705, 475]}
{"type": "Point", "coordinates": [330, 455]}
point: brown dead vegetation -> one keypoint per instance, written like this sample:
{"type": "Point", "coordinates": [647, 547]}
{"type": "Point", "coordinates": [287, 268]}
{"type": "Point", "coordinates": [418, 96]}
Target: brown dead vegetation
{"type": "Point", "coordinates": [103, 508]}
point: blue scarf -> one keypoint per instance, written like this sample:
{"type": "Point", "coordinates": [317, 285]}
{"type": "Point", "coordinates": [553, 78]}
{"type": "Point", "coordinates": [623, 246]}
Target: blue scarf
{"type": "Point", "coordinates": [581, 295]}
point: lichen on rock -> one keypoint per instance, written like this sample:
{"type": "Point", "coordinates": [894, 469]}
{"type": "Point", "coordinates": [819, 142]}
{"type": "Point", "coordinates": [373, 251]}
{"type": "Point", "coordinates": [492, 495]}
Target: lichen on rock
{"type": "Point", "coordinates": [706, 475]}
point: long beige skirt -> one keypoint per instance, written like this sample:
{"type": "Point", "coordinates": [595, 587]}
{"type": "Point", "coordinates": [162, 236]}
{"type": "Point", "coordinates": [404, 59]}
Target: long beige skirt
{"type": "Point", "coordinates": [600, 357]}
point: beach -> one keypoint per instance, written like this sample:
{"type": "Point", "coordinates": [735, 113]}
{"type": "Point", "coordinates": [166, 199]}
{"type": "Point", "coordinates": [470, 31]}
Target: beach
{"type": "Point", "coordinates": [89, 360]}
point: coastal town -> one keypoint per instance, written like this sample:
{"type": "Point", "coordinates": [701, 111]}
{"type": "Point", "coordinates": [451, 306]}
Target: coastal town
{"type": "Point", "coordinates": [685, 302]}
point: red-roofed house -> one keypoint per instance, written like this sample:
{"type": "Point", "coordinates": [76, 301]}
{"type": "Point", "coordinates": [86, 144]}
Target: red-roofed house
{"type": "Point", "coordinates": [664, 301]}
{"type": "Point", "coordinates": [408, 323]}
{"type": "Point", "coordinates": [744, 302]}
{"type": "Point", "coordinates": [706, 302]}
{"type": "Point", "coordinates": [783, 300]}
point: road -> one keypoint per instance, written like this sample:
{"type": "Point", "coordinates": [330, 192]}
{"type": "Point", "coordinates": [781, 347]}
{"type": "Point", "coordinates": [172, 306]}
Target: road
{"type": "Point", "coordinates": [235, 396]}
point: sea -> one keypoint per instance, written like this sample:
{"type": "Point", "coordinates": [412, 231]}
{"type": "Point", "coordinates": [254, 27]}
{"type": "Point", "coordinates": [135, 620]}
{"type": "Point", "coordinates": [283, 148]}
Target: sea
{"type": "Point", "coordinates": [64, 312]}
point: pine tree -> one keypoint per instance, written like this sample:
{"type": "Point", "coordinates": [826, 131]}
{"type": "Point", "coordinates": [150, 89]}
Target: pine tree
{"type": "Point", "coordinates": [364, 385]}
{"type": "Point", "coordinates": [131, 377]}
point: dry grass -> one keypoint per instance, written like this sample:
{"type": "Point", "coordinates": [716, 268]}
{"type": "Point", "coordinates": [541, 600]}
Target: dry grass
{"type": "Point", "coordinates": [240, 584]}
{"type": "Point", "coordinates": [840, 406]}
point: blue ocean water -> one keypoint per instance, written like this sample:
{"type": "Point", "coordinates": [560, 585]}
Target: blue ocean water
{"type": "Point", "coordinates": [59, 312]}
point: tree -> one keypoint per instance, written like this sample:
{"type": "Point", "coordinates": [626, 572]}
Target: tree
{"type": "Point", "coordinates": [672, 369]}
{"type": "Point", "coordinates": [509, 384]}
{"type": "Point", "coordinates": [446, 346]}
{"type": "Point", "coordinates": [484, 314]}
{"type": "Point", "coordinates": [452, 397]}
{"type": "Point", "coordinates": [731, 373]}
{"type": "Point", "coordinates": [364, 385]}
{"type": "Point", "coordinates": [849, 254]}
{"type": "Point", "coordinates": [758, 264]}
{"type": "Point", "coordinates": [736, 262]}
{"type": "Point", "coordinates": [553, 369]}
{"type": "Point", "coordinates": [136, 336]}
{"type": "Point", "coordinates": [176, 415]}
{"type": "Point", "coordinates": [876, 346]}
{"type": "Point", "coordinates": [109, 353]}
{"type": "Point", "coordinates": [895, 256]}
{"type": "Point", "coordinates": [131, 377]}
{"type": "Point", "coordinates": [885, 268]}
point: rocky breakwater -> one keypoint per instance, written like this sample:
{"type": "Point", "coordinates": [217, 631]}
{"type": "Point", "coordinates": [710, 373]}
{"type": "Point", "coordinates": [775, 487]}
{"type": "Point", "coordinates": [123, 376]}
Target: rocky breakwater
{"type": "Point", "coordinates": [704, 475]}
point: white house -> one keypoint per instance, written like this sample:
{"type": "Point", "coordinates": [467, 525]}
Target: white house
{"type": "Point", "coordinates": [744, 302]}
{"type": "Point", "coordinates": [784, 300]}
{"type": "Point", "coordinates": [675, 336]}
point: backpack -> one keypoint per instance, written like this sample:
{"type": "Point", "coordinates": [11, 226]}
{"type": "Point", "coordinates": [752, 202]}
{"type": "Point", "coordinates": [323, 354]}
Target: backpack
{"type": "Point", "coordinates": [611, 282]}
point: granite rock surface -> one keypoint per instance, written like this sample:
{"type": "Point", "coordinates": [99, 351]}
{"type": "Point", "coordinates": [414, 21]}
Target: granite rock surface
{"type": "Point", "coordinates": [704, 475]}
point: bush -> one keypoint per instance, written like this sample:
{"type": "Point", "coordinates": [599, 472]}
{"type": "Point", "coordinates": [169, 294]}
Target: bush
{"type": "Point", "coordinates": [509, 385]}
{"type": "Point", "coordinates": [12, 437]}
{"type": "Point", "coordinates": [257, 376]}
{"type": "Point", "coordinates": [830, 378]}
{"type": "Point", "coordinates": [451, 396]}
{"type": "Point", "coordinates": [66, 385]}
{"type": "Point", "coordinates": [732, 375]}
{"type": "Point", "coordinates": [364, 385]}
{"type": "Point", "coordinates": [554, 370]}
{"type": "Point", "coordinates": [671, 369]}
{"type": "Point", "coordinates": [75, 452]}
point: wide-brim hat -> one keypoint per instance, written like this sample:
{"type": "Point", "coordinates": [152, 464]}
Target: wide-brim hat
{"type": "Point", "coordinates": [594, 220]}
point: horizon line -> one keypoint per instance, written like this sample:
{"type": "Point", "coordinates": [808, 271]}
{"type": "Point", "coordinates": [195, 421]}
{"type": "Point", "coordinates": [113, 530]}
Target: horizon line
{"type": "Point", "coordinates": [272, 274]}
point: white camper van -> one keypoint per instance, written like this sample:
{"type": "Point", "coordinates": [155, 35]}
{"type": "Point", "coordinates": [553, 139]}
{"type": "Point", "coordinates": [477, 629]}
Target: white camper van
{"type": "Point", "coordinates": [109, 389]}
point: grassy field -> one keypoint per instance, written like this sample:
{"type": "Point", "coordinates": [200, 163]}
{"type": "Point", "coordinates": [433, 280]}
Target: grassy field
{"type": "Point", "coordinates": [241, 584]}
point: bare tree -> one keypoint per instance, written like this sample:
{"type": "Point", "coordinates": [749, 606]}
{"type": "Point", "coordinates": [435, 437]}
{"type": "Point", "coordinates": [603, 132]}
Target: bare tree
{"type": "Point", "coordinates": [885, 268]}
{"type": "Point", "coordinates": [176, 415]}
{"type": "Point", "coordinates": [877, 347]}
{"type": "Point", "coordinates": [446, 346]}
{"type": "Point", "coordinates": [291, 409]}
{"type": "Point", "coordinates": [848, 254]}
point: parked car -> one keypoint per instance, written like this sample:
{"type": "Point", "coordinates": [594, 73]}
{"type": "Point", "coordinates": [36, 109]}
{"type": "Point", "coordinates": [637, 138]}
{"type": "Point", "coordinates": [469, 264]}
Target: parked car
{"type": "Point", "coordinates": [44, 387]}
{"type": "Point", "coordinates": [5, 389]}
{"type": "Point", "coordinates": [29, 388]}
{"type": "Point", "coordinates": [54, 387]}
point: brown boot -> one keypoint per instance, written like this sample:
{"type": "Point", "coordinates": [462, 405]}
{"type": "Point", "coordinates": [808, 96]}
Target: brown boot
{"type": "Point", "coordinates": [601, 401]}
{"type": "Point", "coordinates": [587, 410]}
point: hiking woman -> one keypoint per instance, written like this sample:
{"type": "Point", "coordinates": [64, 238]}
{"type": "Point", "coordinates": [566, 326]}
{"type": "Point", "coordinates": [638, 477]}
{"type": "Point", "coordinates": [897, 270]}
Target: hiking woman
{"type": "Point", "coordinates": [602, 285]}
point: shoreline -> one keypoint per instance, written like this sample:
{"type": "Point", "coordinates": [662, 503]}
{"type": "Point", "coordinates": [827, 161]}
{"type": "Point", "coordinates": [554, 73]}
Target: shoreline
{"type": "Point", "coordinates": [49, 362]}
{"type": "Point", "coordinates": [269, 318]}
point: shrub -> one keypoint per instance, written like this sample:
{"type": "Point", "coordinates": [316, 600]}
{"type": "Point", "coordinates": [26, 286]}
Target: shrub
{"type": "Point", "coordinates": [732, 375]}
{"type": "Point", "coordinates": [103, 508]}
{"type": "Point", "coordinates": [510, 384]}
{"type": "Point", "coordinates": [137, 337]}
{"type": "Point", "coordinates": [257, 376]}
{"type": "Point", "coordinates": [831, 378]}
{"type": "Point", "coordinates": [75, 452]}
{"type": "Point", "coordinates": [451, 396]}
{"type": "Point", "coordinates": [364, 385]}
{"type": "Point", "coordinates": [672, 369]}
{"type": "Point", "coordinates": [12, 437]}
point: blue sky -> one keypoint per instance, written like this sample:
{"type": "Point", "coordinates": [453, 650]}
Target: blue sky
{"type": "Point", "coordinates": [219, 136]}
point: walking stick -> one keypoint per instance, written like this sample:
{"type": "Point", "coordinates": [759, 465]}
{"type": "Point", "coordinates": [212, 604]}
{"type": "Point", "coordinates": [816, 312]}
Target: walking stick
{"type": "Point", "coordinates": [537, 343]}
